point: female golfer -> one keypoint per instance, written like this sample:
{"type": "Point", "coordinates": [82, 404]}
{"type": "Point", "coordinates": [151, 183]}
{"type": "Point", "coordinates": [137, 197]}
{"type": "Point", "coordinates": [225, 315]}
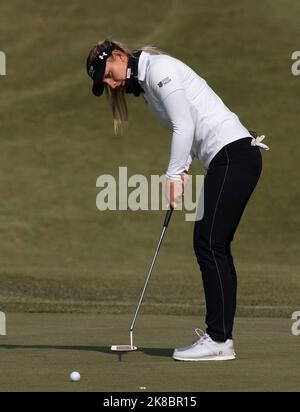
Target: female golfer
{"type": "Point", "coordinates": [203, 127]}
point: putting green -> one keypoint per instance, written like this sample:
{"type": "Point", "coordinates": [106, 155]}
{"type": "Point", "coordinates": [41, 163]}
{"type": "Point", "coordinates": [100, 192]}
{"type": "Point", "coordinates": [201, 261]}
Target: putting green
{"type": "Point", "coordinates": [41, 350]}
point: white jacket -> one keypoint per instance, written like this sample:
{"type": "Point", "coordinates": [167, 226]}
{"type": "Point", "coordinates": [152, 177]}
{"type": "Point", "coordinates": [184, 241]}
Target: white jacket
{"type": "Point", "coordinates": [183, 101]}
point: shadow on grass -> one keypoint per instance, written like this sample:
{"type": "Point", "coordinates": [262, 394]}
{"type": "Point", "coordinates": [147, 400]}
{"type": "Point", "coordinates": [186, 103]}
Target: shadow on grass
{"type": "Point", "coordinates": [159, 352]}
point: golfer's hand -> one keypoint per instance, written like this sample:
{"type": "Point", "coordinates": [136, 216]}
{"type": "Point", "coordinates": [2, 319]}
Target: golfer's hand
{"type": "Point", "coordinates": [185, 177]}
{"type": "Point", "coordinates": [175, 190]}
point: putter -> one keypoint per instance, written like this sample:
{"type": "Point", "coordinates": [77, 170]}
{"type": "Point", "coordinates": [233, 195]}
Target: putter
{"type": "Point", "coordinates": [131, 347]}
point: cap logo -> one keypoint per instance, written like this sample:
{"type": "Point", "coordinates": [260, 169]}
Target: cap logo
{"type": "Point", "coordinates": [101, 56]}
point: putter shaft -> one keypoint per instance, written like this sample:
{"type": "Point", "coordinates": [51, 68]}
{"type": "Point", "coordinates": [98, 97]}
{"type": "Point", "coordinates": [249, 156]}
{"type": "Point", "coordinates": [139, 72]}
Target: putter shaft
{"type": "Point", "coordinates": [166, 222]}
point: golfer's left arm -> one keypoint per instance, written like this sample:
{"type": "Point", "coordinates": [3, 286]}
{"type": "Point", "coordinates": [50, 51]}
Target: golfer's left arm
{"type": "Point", "coordinates": [173, 99]}
{"type": "Point", "coordinates": [183, 133]}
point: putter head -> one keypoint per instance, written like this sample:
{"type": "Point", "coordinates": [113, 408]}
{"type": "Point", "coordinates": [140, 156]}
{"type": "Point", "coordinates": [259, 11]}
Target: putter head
{"type": "Point", "coordinates": [123, 348]}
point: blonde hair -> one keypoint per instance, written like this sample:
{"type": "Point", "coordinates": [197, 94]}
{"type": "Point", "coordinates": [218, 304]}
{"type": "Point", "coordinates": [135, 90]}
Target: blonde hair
{"type": "Point", "coordinates": [116, 97]}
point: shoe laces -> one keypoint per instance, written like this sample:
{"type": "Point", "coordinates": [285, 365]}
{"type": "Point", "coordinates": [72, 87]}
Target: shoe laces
{"type": "Point", "coordinates": [202, 336]}
{"type": "Point", "coordinates": [256, 141]}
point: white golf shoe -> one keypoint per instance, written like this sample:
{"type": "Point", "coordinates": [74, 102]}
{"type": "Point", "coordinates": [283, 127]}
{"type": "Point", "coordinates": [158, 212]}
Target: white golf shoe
{"type": "Point", "coordinates": [205, 349]}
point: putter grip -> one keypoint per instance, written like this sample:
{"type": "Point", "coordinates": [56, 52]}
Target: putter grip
{"type": "Point", "coordinates": [168, 216]}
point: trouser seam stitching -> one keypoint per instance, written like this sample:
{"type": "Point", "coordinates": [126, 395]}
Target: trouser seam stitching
{"type": "Point", "coordinates": [210, 241]}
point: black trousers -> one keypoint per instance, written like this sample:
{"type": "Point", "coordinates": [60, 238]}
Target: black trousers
{"type": "Point", "coordinates": [228, 184]}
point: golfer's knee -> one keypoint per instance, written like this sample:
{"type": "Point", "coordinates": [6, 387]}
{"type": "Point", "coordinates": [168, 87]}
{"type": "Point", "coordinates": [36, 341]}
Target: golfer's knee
{"type": "Point", "coordinates": [204, 247]}
{"type": "Point", "coordinates": [201, 247]}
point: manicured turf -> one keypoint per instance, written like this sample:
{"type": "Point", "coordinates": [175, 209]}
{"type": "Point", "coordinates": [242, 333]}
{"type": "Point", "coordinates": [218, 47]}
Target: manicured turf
{"type": "Point", "coordinates": [83, 269]}
{"type": "Point", "coordinates": [40, 351]}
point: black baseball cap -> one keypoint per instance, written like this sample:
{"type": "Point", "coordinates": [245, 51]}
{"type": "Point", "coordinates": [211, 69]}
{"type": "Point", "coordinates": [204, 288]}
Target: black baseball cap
{"type": "Point", "coordinates": [96, 69]}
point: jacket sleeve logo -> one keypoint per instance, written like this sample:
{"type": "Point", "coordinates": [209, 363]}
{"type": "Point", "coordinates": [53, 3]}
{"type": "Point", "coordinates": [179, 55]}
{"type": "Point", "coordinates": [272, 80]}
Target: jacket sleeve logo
{"type": "Point", "coordinates": [164, 81]}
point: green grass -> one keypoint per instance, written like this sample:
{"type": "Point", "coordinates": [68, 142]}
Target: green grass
{"type": "Point", "coordinates": [41, 350]}
{"type": "Point", "coordinates": [58, 252]}
{"type": "Point", "coordinates": [79, 271]}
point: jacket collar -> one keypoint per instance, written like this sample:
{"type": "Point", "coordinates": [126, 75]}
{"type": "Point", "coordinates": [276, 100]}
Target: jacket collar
{"type": "Point", "coordinates": [143, 65]}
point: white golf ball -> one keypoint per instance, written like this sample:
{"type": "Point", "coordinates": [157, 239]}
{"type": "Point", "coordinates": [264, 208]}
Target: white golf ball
{"type": "Point", "coordinates": [75, 376]}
